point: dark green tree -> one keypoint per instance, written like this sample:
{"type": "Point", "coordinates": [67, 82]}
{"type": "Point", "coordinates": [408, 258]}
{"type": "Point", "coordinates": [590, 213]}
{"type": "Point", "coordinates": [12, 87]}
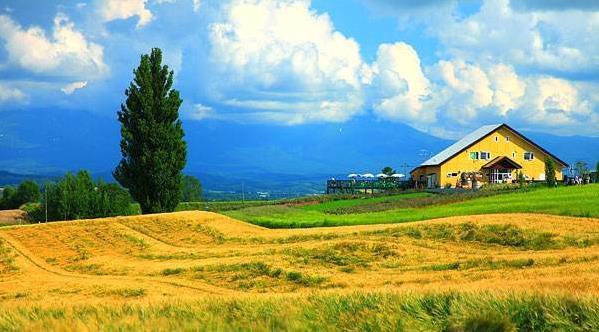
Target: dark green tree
{"type": "Point", "coordinates": [27, 192]}
{"type": "Point", "coordinates": [78, 196]}
{"type": "Point", "coordinates": [550, 172]}
{"type": "Point", "coordinates": [597, 172]}
{"type": "Point", "coordinates": [191, 190]}
{"type": "Point", "coordinates": [152, 145]}
{"type": "Point", "coordinates": [8, 197]}
{"type": "Point", "coordinates": [388, 171]}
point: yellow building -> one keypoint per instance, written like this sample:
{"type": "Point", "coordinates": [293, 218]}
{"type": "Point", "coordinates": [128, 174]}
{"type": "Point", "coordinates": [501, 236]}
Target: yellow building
{"type": "Point", "coordinates": [490, 154]}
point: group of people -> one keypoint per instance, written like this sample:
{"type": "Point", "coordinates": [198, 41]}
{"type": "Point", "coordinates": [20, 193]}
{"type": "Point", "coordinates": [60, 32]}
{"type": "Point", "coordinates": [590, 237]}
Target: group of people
{"type": "Point", "coordinates": [578, 179]}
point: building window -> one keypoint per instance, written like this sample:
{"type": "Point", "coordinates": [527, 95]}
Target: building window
{"type": "Point", "coordinates": [514, 154]}
{"type": "Point", "coordinates": [474, 155]}
{"type": "Point", "coordinates": [485, 155]}
{"type": "Point", "coordinates": [496, 139]}
{"type": "Point", "coordinates": [528, 156]}
{"type": "Point", "coordinates": [507, 138]}
{"type": "Point", "coordinates": [452, 175]}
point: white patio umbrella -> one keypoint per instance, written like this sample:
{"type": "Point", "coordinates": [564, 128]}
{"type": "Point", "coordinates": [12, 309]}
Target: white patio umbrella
{"type": "Point", "coordinates": [368, 175]}
{"type": "Point", "coordinates": [381, 175]}
{"type": "Point", "coordinates": [353, 175]}
{"type": "Point", "coordinates": [398, 175]}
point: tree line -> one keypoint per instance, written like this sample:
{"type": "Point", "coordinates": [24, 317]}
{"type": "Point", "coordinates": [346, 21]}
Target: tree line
{"type": "Point", "coordinates": [79, 196]}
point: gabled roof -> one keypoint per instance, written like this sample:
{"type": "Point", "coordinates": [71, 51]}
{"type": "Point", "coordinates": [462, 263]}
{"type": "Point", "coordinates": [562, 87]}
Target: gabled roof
{"type": "Point", "coordinates": [473, 138]}
{"type": "Point", "coordinates": [502, 161]}
{"type": "Point", "coordinates": [461, 145]}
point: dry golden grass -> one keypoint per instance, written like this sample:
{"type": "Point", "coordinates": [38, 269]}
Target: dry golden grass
{"type": "Point", "coordinates": [12, 217]}
{"type": "Point", "coordinates": [200, 255]}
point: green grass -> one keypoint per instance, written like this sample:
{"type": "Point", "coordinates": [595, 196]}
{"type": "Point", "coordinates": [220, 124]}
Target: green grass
{"type": "Point", "coordinates": [580, 201]}
{"type": "Point", "coordinates": [325, 312]}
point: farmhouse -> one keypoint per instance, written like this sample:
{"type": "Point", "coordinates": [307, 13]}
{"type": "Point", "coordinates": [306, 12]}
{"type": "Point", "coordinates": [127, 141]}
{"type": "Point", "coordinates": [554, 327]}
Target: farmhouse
{"type": "Point", "coordinates": [490, 154]}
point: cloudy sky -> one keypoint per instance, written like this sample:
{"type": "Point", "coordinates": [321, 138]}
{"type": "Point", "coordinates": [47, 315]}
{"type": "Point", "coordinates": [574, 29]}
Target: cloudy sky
{"type": "Point", "coordinates": [442, 67]}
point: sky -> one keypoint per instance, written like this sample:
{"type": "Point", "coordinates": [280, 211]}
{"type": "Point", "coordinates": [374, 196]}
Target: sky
{"type": "Point", "coordinates": [442, 67]}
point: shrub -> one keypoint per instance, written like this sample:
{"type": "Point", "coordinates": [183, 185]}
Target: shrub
{"type": "Point", "coordinates": [550, 172]}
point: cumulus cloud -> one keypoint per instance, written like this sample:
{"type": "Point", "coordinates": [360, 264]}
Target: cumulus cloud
{"type": "Point", "coordinates": [401, 87]}
{"type": "Point", "coordinates": [551, 41]}
{"type": "Point", "coordinates": [312, 73]}
{"type": "Point", "coordinates": [71, 87]}
{"type": "Point", "coordinates": [66, 53]}
{"type": "Point", "coordinates": [111, 10]}
{"type": "Point", "coordinates": [8, 93]}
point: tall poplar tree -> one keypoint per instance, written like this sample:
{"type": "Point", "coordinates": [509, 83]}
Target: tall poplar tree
{"type": "Point", "coordinates": [152, 145]}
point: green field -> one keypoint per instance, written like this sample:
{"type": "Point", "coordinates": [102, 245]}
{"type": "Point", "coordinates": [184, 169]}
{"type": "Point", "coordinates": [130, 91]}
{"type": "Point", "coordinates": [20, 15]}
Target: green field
{"type": "Point", "coordinates": [581, 201]}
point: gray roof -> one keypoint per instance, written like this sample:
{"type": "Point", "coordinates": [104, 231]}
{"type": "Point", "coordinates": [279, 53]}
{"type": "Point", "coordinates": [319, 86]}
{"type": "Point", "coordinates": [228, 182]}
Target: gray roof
{"type": "Point", "coordinates": [461, 145]}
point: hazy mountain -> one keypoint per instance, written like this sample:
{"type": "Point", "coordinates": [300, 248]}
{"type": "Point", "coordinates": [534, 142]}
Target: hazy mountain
{"type": "Point", "coordinates": [227, 155]}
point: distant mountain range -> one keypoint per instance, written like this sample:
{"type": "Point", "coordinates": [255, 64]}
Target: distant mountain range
{"type": "Point", "coordinates": [227, 156]}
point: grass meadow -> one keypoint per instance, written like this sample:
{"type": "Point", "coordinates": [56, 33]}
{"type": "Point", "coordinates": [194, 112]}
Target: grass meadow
{"type": "Point", "coordinates": [581, 201]}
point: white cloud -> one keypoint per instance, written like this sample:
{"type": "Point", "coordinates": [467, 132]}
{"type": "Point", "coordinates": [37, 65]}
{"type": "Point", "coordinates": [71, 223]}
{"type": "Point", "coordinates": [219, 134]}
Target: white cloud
{"type": "Point", "coordinates": [111, 10]}
{"type": "Point", "coordinates": [556, 102]}
{"type": "Point", "coordinates": [260, 52]}
{"type": "Point", "coordinates": [71, 87]}
{"type": "Point", "coordinates": [401, 87]}
{"type": "Point", "coordinates": [507, 86]}
{"type": "Point", "coordinates": [8, 93]}
{"type": "Point", "coordinates": [201, 112]}
{"type": "Point", "coordinates": [196, 5]}
{"type": "Point", "coordinates": [564, 41]}
{"type": "Point", "coordinates": [66, 53]}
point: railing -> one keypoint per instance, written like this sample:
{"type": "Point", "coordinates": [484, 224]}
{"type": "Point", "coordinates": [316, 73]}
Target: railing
{"type": "Point", "coordinates": [349, 186]}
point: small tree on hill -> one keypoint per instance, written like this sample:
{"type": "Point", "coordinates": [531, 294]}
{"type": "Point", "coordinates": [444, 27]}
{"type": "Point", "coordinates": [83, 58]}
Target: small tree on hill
{"type": "Point", "coordinates": [550, 172]}
{"type": "Point", "coordinates": [152, 145]}
{"type": "Point", "coordinates": [191, 189]}
{"type": "Point", "coordinates": [388, 171]}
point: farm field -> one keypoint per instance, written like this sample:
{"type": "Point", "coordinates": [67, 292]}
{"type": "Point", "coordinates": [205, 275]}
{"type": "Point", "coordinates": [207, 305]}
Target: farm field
{"type": "Point", "coordinates": [202, 270]}
{"type": "Point", "coordinates": [578, 201]}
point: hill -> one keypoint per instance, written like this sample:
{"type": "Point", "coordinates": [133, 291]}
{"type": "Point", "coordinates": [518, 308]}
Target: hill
{"type": "Point", "coordinates": [283, 160]}
{"type": "Point", "coordinates": [201, 269]}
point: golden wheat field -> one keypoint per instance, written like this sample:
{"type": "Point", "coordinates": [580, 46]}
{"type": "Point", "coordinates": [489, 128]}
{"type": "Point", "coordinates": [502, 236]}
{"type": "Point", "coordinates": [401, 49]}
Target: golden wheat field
{"type": "Point", "coordinates": [190, 256]}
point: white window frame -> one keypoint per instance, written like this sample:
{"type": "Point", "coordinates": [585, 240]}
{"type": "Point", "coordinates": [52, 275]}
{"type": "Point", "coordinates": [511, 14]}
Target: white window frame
{"type": "Point", "coordinates": [507, 138]}
{"type": "Point", "coordinates": [529, 155]}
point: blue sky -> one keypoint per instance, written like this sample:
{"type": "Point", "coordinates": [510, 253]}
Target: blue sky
{"type": "Point", "coordinates": [443, 67]}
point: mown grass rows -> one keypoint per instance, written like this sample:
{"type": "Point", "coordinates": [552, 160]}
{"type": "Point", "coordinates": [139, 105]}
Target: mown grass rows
{"type": "Point", "coordinates": [352, 312]}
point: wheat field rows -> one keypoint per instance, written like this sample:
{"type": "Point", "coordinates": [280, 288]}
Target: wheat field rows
{"type": "Point", "coordinates": [201, 256]}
